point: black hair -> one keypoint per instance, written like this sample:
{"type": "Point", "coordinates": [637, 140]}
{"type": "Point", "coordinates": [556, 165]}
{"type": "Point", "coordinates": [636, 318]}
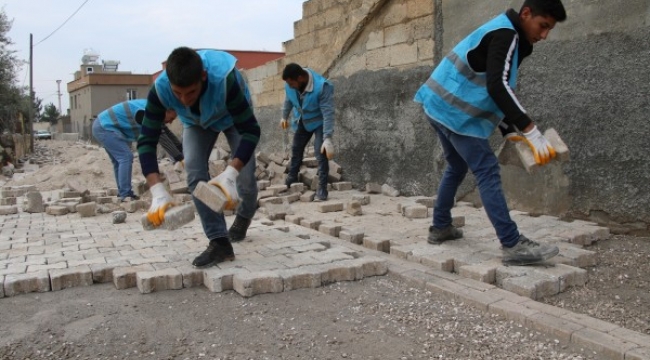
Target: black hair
{"type": "Point", "coordinates": [552, 8]}
{"type": "Point", "coordinates": [293, 71]}
{"type": "Point", "coordinates": [184, 67]}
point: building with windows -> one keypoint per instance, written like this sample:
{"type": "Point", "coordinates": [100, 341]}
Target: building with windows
{"type": "Point", "coordinates": [98, 86]}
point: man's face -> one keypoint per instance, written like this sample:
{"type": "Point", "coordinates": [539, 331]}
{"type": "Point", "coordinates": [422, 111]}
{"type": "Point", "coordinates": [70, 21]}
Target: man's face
{"type": "Point", "coordinates": [536, 27]}
{"type": "Point", "coordinates": [190, 94]}
{"type": "Point", "coordinates": [297, 84]}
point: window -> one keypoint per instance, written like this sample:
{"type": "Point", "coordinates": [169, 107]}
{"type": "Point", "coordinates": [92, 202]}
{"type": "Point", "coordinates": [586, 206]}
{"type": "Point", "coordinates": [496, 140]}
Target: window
{"type": "Point", "coordinates": [131, 94]}
{"type": "Point", "coordinates": [89, 70]}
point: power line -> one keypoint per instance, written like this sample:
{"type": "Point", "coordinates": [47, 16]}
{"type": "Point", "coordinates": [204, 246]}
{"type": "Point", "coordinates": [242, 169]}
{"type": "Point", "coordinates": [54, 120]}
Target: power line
{"type": "Point", "coordinates": [66, 20]}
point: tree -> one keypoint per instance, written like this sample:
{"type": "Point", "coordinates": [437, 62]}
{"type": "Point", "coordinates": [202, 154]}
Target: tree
{"type": "Point", "coordinates": [50, 114]}
{"type": "Point", "coordinates": [11, 96]}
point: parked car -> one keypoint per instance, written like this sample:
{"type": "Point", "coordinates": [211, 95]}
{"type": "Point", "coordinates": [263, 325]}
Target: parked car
{"type": "Point", "coordinates": [42, 135]}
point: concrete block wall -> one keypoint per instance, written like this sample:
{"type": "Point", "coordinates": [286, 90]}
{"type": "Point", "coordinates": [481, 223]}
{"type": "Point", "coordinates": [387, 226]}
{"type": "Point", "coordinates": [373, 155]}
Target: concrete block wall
{"type": "Point", "coordinates": [586, 81]}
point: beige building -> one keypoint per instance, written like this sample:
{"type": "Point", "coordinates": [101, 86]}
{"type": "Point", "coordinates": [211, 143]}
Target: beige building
{"type": "Point", "coordinates": [96, 87]}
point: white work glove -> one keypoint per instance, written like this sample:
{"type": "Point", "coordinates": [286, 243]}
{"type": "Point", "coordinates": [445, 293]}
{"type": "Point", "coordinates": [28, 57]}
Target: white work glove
{"type": "Point", "coordinates": [327, 148]}
{"type": "Point", "coordinates": [227, 182]}
{"type": "Point", "coordinates": [538, 144]}
{"type": "Point", "coordinates": [284, 124]}
{"type": "Point", "coordinates": [160, 202]}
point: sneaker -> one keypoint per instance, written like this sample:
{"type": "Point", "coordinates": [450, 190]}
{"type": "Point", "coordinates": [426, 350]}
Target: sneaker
{"type": "Point", "coordinates": [214, 254]}
{"type": "Point", "coordinates": [238, 229]}
{"type": "Point", "coordinates": [130, 198]}
{"type": "Point", "coordinates": [321, 194]}
{"type": "Point", "coordinates": [438, 236]}
{"type": "Point", "coordinates": [528, 252]}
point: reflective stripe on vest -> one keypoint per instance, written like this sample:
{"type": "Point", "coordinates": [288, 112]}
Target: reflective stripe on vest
{"type": "Point", "coordinates": [129, 117]}
{"type": "Point", "coordinates": [462, 105]}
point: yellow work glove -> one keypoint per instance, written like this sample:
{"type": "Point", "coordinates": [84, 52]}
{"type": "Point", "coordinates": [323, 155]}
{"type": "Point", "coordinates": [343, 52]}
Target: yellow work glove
{"type": "Point", "coordinates": [538, 144]}
{"type": "Point", "coordinates": [160, 202]}
{"type": "Point", "coordinates": [227, 182]}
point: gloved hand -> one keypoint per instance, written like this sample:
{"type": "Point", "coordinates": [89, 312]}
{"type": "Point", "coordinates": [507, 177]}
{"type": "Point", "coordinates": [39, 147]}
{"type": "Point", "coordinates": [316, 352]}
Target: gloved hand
{"type": "Point", "coordinates": [284, 124]}
{"type": "Point", "coordinates": [227, 182]}
{"type": "Point", "coordinates": [327, 148]}
{"type": "Point", "coordinates": [160, 202]}
{"type": "Point", "coordinates": [539, 145]}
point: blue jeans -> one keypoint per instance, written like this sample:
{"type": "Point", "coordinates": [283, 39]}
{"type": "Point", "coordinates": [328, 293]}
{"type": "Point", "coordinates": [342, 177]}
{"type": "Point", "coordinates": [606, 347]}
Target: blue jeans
{"type": "Point", "coordinates": [119, 151]}
{"type": "Point", "coordinates": [300, 140]}
{"type": "Point", "coordinates": [463, 152]}
{"type": "Point", "coordinates": [197, 146]}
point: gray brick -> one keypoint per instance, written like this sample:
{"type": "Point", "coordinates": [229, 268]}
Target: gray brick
{"type": "Point", "coordinates": [416, 211]}
{"type": "Point", "coordinates": [87, 209]}
{"type": "Point", "coordinates": [57, 210]}
{"type": "Point", "coordinates": [26, 283]}
{"type": "Point", "coordinates": [342, 186]}
{"type": "Point", "coordinates": [373, 188]}
{"type": "Point", "coordinates": [641, 353]}
{"type": "Point", "coordinates": [192, 277]}
{"type": "Point", "coordinates": [249, 284]}
{"type": "Point", "coordinates": [342, 271]}
{"type": "Point", "coordinates": [352, 235]}
{"type": "Point", "coordinates": [125, 277]}
{"type": "Point", "coordinates": [361, 198]}
{"type": "Point", "coordinates": [71, 277]}
{"type": "Point", "coordinates": [218, 280]}
{"type": "Point", "coordinates": [311, 224]}
{"type": "Point", "coordinates": [103, 273]}
{"type": "Point", "coordinates": [8, 210]}
{"type": "Point", "coordinates": [377, 244]}
{"type": "Point", "coordinates": [330, 207]}
{"type": "Point", "coordinates": [605, 344]}
{"type": "Point", "coordinates": [330, 229]}
{"type": "Point", "coordinates": [159, 280]}
{"type": "Point", "coordinates": [308, 196]}
{"type": "Point", "coordinates": [301, 278]}
{"type": "Point", "coordinates": [559, 328]}
{"type": "Point", "coordinates": [294, 219]}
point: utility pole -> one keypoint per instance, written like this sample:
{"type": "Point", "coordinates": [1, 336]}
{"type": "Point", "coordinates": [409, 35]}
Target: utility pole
{"type": "Point", "coordinates": [30, 121]}
{"type": "Point", "coordinates": [58, 93]}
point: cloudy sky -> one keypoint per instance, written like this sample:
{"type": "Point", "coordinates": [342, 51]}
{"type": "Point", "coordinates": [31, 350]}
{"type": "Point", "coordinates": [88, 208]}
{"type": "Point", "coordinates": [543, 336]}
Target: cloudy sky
{"type": "Point", "coordinates": [138, 33]}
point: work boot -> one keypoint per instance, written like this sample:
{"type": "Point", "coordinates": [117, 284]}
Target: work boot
{"type": "Point", "coordinates": [219, 250]}
{"type": "Point", "coordinates": [290, 180]}
{"type": "Point", "coordinates": [438, 236]}
{"type": "Point", "coordinates": [238, 229]}
{"type": "Point", "coordinates": [321, 194]}
{"type": "Point", "coordinates": [528, 252]}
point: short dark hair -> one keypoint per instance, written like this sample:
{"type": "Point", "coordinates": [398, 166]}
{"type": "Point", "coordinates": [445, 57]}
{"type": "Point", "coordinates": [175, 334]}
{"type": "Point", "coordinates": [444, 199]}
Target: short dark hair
{"type": "Point", "coordinates": [184, 67]}
{"type": "Point", "coordinates": [552, 8]}
{"type": "Point", "coordinates": [293, 71]}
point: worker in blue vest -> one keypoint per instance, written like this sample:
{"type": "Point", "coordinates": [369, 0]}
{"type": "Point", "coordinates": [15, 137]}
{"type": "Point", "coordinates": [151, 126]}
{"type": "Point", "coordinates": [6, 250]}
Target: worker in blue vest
{"type": "Point", "coordinates": [210, 96]}
{"type": "Point", "coordinates": [311, 97]}
{"type": "Point", "coordinates": [471, 93]}
{"type": "Point", "coordinates": [117, 127]}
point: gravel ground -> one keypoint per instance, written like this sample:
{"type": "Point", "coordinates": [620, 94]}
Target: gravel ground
{"type": "Point", "coordinates": [618, 289]}
{"type": "Point", "coordinates": [377, 318]}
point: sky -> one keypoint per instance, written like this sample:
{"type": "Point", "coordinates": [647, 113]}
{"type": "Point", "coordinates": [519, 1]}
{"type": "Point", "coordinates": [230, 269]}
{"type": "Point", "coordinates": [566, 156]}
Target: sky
{"type": "Point", "coordinates": [139, 34]}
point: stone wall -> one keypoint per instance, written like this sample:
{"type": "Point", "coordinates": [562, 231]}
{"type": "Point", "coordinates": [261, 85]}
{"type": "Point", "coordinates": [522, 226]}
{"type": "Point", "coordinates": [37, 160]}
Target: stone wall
{"type": "Point", "coordinates": [588, 81]}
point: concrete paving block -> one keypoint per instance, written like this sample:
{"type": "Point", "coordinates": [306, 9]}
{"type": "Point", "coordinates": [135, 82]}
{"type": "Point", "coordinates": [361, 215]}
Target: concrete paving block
{"type": "Point", "coordinates": [342, 271]}
{"type": "Point", "coordinates": [119, 217]}
{"type": "Point", "coordinates": [361, 198]}
{"type": "Point", "coordinates": [293, 219]}
{"type": "Point", "coordinates": [416, 211]}
{"type": "Point", "coordinates": [354, 208]}
{"type": "Point", "coordinates": [443, 261]}
{"type": "Point", "coordinates": [218, 280]}
{"type": "Point", "coordinates": [352, 235]}
{"type": "Point", "coordinates": [534, 286]}
{"type": "Point", "coordinates": [426, 201]}
{"type": "Point", "coordinates": [34, 202]}
{"type": "Point", "coordinates": [526, 156]}
{"type": "Point", "coordinates": [575, 256]}
{"type": "Point", "coordinates": [71, 277]}
{"type": "Point", "coordinates": [590, 322]}
{"type": "Point", "coordinates": [556, 327]}
{"type": "Point", "coordinates": [263, 184]}
{"type": "Point", "coordinates": [389, 191]}
{"type": "Point", "coordinates": [263, 282]}
{"type": "Point", "coordinates": [342, 186]}
{"type": "Point", "coordinates": [8, 201]}
{"type": "Point", "coordinates": [373, 266]}
{"type": "Point", "coordinates": [330, 229]}
{"type": "Point", "coordinates": [511, 311]}
{"type": "Point", "coordinates": [485, 272]}
{"type": "Point", "coordinates": [105, 200]}
{"type": "Point", "coordinates": [87, 209]}
{"type": "Point", "coordinates": [331, 255]}
{"type": "Point", "coordinates": [159, 280]}
{"type": "Point", "coordinates": [307, 196]}
{"type": "Point", "coordinates": [57, 210]}
{"type": "Point", "coordinates": [125, 277]}
{"type": "Point", "coordinates": [458, 221]}
{"type": "Point", "coordinates": [631, 336]}
{"type": "Point", "coordinates": [372, 243]}
{"type": "Point", "coordinates": [291, 198]}
{"type": "Point", "coordinates": [640, 353]}
{"type": "Point", "coordinates": [605, 344]}
{"type": "Point", "coordinates": [311, 224]}
{"type": "Point", "coordinates": [567, 276]}
{"type": "Point", "coordinates": [103, 273]}
{"type": "Point", "coordinates": [373, 188]}
{"type": "Point", "coordinates": [8, 210]}
{"type": "Point", "coordinates": [211, 196]}
{"type": "Point", "coordinates": [179, 188]}
{"type": "Point", "coordinates": [303, 277]}
{"type": "Point", "coordinates": [175, 217]}
{"type": "Point", "coordinates": [270, 200]}
{"type": "Point", "coordinates": [26, 283]}
{"type": "Point", "coordinates": [297, 188]}
{"type": "Point", "coordinates": [330, 207]}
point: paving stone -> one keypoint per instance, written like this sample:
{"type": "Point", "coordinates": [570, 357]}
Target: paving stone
{"type": "Point", "coordinates": [330, 207]}
{"type": "Point", "coordinates": [270, 200]}
{"type": "Point", "coordinates": [291, 198]}
{"type": "Point", "coordinates": [605, 344]}
{"type": "Point", "coordinates": [301, 278]}
{"type": "Point", "coordinates": [373, 188]}
{"type": "Point", "coordinates": [38, 281]}
{"type": "Point", "coordinates": [8, 201]}
{"type": "Point", "coordinates": [103, 273]}
{"type": "Point", "coordinates": [263, 184]}
{"type": "Point", "coordinates": [57, 210]}
{"type": "Point", "coordinates": [342, 186]}
{"type": "Point", "coordinates": [125, 277]}
{"type": "Point", "coordinates": [352, 235]}
{"type": "Point", "coordinates": [34, 202]}
{"type": "Point", "coordinates": [342, 271]}
{"type": "Point", "coordinates": [630, 335]}
{"type": "Point", "coordinates": [71, 277]}
{"type": "Point", "coordinates": [294, 219]}
{"type": "Point", "coordinates": [311, 224]}
{"type": "Point", "coordinates": [640, 353]}
{"type": "Point", "coordinates": [485, 272]}
{"type": "Point", "coordinates": [372, 243]}
{"type": "Point", "coordinates": [354, 208]}
{"type": "Point", "coordinates": [389, 191]}
{"type": "Point", "coordinates": [8, 210]}
{"type": "Point", "coordinates": [263, 282]}
{"type": "Point", "coordinates": [361, 198]}
{"type": "Point", "coordinates": [511, 311]}
{"type": "Point", "coordinates": [297, 188]}
{"type": "Point", "coordinates": [159, 280]}
{"type": "Point", "coordinates": [88, 209]}
{"type": "Point", "coordinates": [416, 211]}
{"type": "Point", "coordinates": [330, 229]}
{"type": "Point", "coordinates": [119, 217]}
{"type": "Point", "coordinates": [218, 280]}
{"type": "Point", "coordinates": [307, 196]}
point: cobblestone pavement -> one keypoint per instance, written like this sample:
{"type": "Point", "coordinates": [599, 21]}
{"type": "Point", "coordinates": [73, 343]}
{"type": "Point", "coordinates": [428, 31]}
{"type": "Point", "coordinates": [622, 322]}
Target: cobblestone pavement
{"type": "Point", "coordinates": [310, 244]}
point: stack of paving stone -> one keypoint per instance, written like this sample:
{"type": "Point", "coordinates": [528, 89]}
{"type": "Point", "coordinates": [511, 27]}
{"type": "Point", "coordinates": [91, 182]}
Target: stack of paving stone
{"type": "Point", "coordinates": [274, 168]}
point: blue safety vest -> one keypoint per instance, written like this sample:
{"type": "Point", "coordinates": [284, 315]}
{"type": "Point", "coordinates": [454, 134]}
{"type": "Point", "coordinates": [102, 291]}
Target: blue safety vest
{"type": "Point", "coordinates": [214, 112]}
{"type": "Point", "coordinates": [456, 96]}
{"type": "Point", "coordinates": [121, 118]}
{"type": "Point", "coordinates": [309, 112]}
